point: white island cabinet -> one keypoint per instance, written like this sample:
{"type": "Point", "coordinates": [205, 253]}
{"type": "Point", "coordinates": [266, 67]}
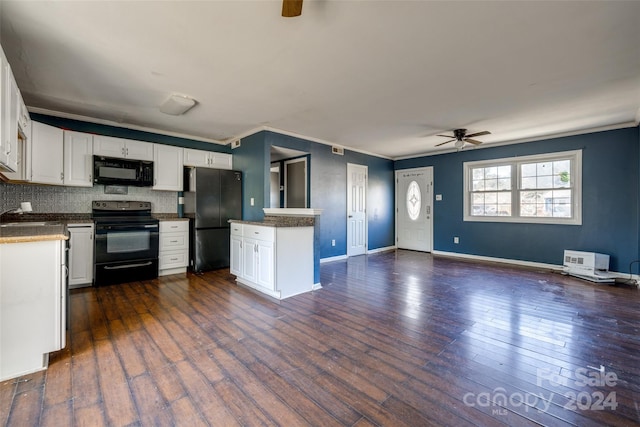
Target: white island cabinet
{"type": "Point", "coordinates": [32, 305]}
{"type": "Point", "coordinates": [277, 261]}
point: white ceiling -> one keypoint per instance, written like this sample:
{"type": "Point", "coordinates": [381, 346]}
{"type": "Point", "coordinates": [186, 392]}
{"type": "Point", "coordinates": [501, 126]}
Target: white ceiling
{"type": "Point", "coordinates": [383, 77]}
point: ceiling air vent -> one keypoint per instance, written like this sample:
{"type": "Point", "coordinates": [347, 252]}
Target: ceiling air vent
{"type": "Point", "coordinates": [337, 150]}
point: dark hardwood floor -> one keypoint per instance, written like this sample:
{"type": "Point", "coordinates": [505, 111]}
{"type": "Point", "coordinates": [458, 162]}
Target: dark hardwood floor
{"type": "Point", "coordinates": [392, 339]}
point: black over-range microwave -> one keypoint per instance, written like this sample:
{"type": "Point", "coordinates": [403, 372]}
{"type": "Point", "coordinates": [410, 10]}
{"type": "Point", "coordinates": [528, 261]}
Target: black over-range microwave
{"type": "Point", "coordinates": [113, 171]}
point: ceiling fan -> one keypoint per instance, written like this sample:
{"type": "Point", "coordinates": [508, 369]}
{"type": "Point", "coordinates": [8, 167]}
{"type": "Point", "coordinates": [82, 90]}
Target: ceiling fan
{"type": "Point", "coordinates": [460, 137]}
{"type": "Point", "coordinates": [291, 8]}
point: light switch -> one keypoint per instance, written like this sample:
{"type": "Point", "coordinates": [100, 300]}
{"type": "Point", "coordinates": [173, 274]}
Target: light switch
{"type": "Point", "coordinates": [438, 197]}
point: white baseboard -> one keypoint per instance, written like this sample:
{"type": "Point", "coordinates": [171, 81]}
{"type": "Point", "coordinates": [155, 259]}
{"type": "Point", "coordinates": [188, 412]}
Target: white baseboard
{"type": "Point", "coordinates": [503, 260]}
{"type": "Point", "coordinates": [553, 267]}
{"type": "Point", "coordinates": [369, 252]}
{"type": "Point", "coordinates": [385, 249]}
{"type": "Point", "coordinates": [332, 258]}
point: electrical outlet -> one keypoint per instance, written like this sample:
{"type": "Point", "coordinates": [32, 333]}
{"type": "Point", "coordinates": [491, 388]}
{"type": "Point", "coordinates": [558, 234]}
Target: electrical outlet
{"type": "Point", "coordinates": [252, 201]}
{"type": "Point", "coordinates": [438, 197]}
{"type": "Point", "coordinates": [333, 242]}
{"type": "Point", "coordinates": [456, 240]}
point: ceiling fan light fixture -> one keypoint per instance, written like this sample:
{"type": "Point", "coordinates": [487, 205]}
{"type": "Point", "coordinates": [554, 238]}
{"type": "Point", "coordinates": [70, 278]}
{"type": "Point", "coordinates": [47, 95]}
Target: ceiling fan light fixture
{"type": "Point", "coordinates": [176, 105]}
{"type": "Point", "coordinates": [459, 143]}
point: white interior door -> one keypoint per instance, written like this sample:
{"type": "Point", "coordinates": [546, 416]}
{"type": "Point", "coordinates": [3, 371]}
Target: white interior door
{"type": "Point", "coordinates": [356, 209]}
{"type": "Point", "coordinates": [414, 200]}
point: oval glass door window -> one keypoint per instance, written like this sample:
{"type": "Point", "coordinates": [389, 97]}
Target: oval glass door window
{"type": "Point", "coordinates": [414, 200]}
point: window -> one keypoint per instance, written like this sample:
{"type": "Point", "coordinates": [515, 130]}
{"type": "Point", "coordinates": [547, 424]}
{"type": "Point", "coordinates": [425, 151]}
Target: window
{"type": "Point", "coordinates": [535, 189]}
{"type": "Point", "coordinates": [414, 200]}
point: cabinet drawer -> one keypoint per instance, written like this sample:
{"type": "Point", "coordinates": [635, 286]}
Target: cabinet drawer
{"type": "Point", "coordinates": [259, 232]}
{"type": "Point", "coordinates": [172, 259]}
{"type": "Point", "coordinates": [173, 241]}
{"type": "Point", "coordinates": [236, 229]}
{"type": "Point", "coordinates": [173, 226]}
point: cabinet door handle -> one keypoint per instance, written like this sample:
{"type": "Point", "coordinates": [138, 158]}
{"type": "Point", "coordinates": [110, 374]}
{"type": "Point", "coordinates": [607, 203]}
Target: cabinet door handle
{"type": "Point", "coordinates": [173, 241]}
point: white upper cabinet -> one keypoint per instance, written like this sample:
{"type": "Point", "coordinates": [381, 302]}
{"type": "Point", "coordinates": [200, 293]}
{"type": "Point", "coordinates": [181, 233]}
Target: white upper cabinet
{"type": "Point", "coordinates": [167, 168]}
{"type": "Point", "coordinates": [109, 146]}
{"type": "Point", "coordinates": [47, 161]}
{"type": "Point", "coordinates": [9, 126]}
{"type": "Point", "coordinates": [207, 159]}
{"type": "Point", "coordinates": [78, 159]}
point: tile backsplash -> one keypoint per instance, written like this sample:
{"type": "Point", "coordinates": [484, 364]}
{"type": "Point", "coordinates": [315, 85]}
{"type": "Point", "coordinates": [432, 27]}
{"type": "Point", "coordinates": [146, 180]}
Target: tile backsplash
{"type": "Point", "coordinates": [59, 199]}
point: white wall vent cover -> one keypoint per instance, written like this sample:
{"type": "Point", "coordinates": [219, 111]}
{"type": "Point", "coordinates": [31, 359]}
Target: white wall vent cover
{"type": "Point", "coordinates": [337, 150]}
{"type": "Point", "coordinates": [587, 265]}
{"type": "Point", "coordinates": [235, 144]}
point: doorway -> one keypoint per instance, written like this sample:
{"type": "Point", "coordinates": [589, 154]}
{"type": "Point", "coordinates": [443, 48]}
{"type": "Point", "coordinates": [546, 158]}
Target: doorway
{"type": "Point", "coordinates": [414, 201]}
{"type": "Point", "coordinates": [275, 187]}
{"type": "Point", "coordinates": [295, 183]}
{"type": "Point", "coordinates": [356, 209]}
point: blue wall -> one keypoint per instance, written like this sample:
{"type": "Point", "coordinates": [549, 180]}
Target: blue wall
{"type": "Point", "coordinates": [610, 196]}
{"type": "Point", "coordinates": [328, 188]}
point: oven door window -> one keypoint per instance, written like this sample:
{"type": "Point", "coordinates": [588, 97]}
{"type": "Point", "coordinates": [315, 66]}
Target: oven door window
{"type": "Point", "coordinates": [128, 242]}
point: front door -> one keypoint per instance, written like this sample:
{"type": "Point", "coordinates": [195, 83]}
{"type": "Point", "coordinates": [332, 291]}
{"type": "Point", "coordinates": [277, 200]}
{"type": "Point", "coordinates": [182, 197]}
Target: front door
{"type": "Point", "coordinates": [414, 223]}
{"type": "Point", "coordinates": [356, 209]}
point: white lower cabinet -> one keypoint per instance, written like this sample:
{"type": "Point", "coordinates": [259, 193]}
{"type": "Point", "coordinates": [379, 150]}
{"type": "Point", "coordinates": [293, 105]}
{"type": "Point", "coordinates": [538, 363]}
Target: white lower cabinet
{"type": "Point", "coordinates": [236, 264]}
{"type": "Point", "coordinates": [174, 247]}
{"type": "Point", "coordinates": [32, 305]}
{"type": "Point", "coordinates": [81, 247]}
{"type": "Point", "coordinates": [277, 261]}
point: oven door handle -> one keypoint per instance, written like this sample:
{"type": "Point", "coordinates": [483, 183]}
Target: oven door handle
{"type": "Point", "coordinates": [120, 267]}
{"type": "Point", "coordinates": [103, 229]}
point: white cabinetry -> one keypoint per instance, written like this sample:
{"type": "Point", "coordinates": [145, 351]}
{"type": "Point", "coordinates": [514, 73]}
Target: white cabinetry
{"type": "Point", "coordinates": [236, 264]}
{"type": "Point", "coordinates": [174, 247]}
{"type": "Point", "coordinates": [32, 305]}
{"type": "Point", "coordinates": [277, 261]}
{"type": "Point", "coordinates": [81, 249]}
{"type": "Point", "coordinates": [207, 159]}
{"type": "Point", "coordinates": [78, 159]}
{"type": "Point", "coordinates": [46, 154]}
{"type": "Point", "coordinates": [167, 168]}
{"type": "Point", "coordinates": [109, 146]}
{"type": "Point", "coordinates": [10, 96]}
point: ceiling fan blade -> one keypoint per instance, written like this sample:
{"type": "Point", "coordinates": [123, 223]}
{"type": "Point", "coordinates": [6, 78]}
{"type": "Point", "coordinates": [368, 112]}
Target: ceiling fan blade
{"type": "Point", "coordinates": [484, 132]}
{"type": "Point", "coordinates": [473, 141]}
{"type": "Point", "coordinates": [291, 8]}
{"type": "Point", "coordinates": [442, 143]}
{"type": "Point", "coordinates": [447, 136]}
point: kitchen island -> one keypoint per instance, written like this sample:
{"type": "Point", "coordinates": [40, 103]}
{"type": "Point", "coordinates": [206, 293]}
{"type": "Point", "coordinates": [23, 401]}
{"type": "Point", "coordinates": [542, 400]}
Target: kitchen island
{"type": "Point", "coordinates": [275, 256]}
{"type": "Point", "coordinates": [32, 295]}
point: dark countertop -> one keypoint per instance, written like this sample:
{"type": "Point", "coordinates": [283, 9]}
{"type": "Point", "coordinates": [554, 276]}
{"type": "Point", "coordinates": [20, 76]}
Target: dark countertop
{"type": "Point", "coordinates": [168, 217]}
{"type": "Point", "coordinates": [39, 233]}
{"type": "Point", "coordinates": [56, 230]}
{"type": "Point", "coordinates": [280, 221]}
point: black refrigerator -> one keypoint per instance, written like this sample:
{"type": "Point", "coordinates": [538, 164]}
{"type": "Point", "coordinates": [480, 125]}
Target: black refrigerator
{"type": "Point", "coordinates": [211, 198]}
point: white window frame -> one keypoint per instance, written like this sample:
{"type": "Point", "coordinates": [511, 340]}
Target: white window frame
{"type": "Point", "coordinates": [576, 176]}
